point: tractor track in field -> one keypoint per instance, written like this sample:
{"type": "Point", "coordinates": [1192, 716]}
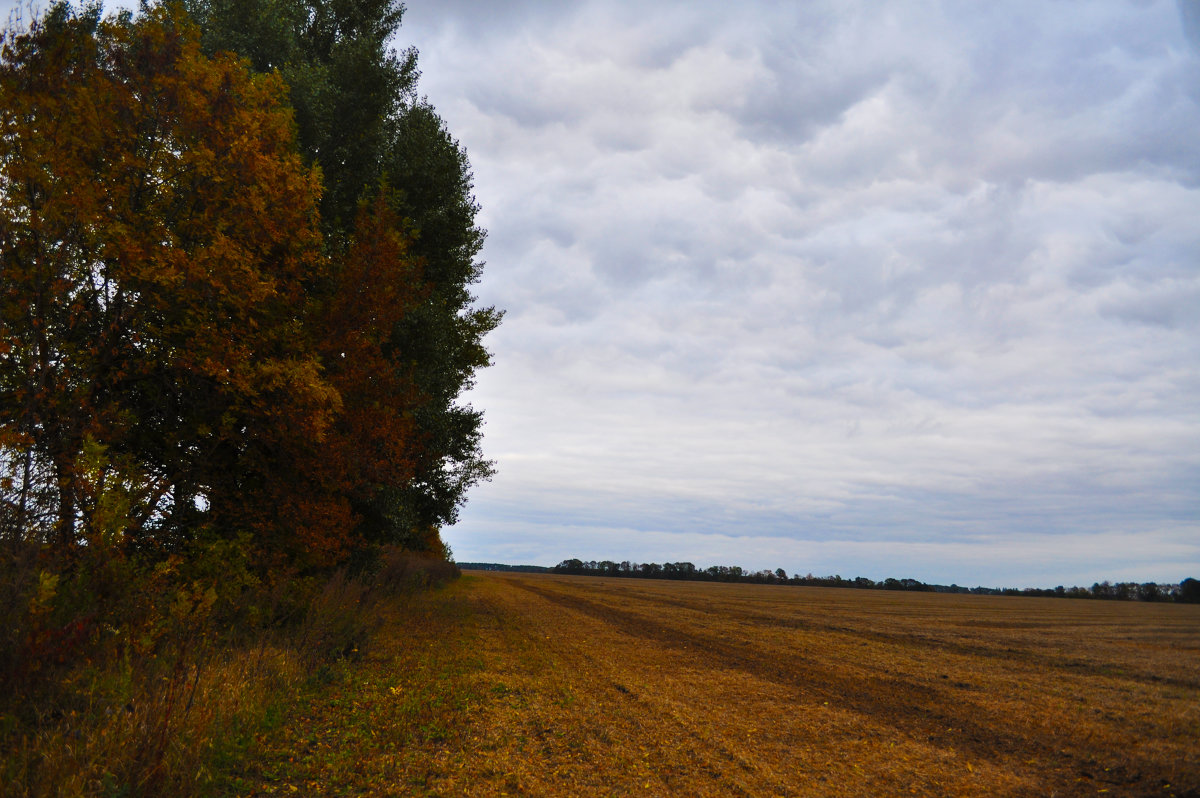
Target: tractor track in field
{"type": "Point", "coordinates": [550, 685]}
{"type": "Point", "coordinates": [1008, 655]}
{"type": "Point", "coordinates": [901, 703]}
{"type": "Point", "coordinates": [916, 710]}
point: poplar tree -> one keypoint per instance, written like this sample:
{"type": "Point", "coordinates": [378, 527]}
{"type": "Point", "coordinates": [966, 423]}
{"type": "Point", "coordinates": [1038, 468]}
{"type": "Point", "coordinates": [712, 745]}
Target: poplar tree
{"type": "Point", "coordinates": [361, 121]}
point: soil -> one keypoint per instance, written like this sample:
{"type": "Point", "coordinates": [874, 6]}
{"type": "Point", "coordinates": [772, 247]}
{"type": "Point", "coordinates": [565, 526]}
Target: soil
{"type": "Point", "coordinates": [533, 684]}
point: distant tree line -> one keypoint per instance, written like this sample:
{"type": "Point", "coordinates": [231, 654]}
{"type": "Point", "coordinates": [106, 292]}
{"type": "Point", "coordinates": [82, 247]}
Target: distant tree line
{"type": "Point", "coordinates": [496, 566]}
{"type": "Point", "coordinates": [1187, 591]}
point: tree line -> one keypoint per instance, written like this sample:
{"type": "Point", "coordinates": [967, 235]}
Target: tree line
{"type": "Point", "coordinates": [236, 252]}
{"type": "Point", "coordinates": [1187, 591]}
{"type": "Point", "coordinates": [497, 566]}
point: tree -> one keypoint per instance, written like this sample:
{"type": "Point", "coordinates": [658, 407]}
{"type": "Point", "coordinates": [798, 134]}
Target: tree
{"type": "Point", "coordinates": [1149, 591]}
{"type": "Point", "coordinates": [361, 122]}
{"type": "Point", "coordinates": [651, 570]}
{"type": "Point", "coordinates": [345, 83]}
{"type": "Point", "coordinates": [158, 241]}
{"type": "Point", "coordinates": [373, 441]}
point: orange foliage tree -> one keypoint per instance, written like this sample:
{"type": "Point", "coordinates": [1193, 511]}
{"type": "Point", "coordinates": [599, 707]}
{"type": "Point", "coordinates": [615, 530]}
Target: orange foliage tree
{"type": "Point", "coordinates": [162, 323]}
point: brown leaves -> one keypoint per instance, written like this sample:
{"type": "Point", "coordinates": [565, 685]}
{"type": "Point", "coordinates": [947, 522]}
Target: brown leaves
{"type": "Point", "coordinates": [371, 441]}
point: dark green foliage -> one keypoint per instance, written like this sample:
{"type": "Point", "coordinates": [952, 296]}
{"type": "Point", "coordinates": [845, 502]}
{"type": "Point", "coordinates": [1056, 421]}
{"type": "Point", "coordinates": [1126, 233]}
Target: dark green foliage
{"type": "Point", "coordinates": [432, 187]}
{"type": "Point", "coordinates": [346, 84]}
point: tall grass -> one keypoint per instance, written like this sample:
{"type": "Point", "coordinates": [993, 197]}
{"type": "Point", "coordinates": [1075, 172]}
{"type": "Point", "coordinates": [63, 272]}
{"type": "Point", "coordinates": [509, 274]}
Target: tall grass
{"type": "Point", "coordinates": [119, 678]}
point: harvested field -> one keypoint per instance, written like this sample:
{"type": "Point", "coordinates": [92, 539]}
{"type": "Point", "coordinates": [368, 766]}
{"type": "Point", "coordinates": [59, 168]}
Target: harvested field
{"type": "Point", "coordinates": [553, 685]}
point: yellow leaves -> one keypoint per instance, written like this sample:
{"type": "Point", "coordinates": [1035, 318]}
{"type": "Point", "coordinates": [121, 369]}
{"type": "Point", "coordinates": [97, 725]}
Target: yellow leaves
{"type": "Point", "coordinates": [170, 221]}
{"type": "Point", "coordinates": [43, 598]}
{"type": "Point", "coordinates": [202, 313]}
{"type": "Point", "coordinates": [193, 604]}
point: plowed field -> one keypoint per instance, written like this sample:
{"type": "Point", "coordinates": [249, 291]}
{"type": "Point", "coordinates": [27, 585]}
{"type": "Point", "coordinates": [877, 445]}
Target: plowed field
{"type": "Point", "coordinates": [546, 685]}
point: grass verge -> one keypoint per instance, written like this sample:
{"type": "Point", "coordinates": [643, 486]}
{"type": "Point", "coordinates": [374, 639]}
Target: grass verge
{"type": "Point", "coordinates": [120, 682]}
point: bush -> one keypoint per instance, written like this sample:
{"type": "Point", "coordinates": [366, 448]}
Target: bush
{"type": "Point", "coordinates": [339, 621]}
{"type": "Point", "coordinates": [402, 571]}
{"type": "Point", "coordinates": [121, 675]}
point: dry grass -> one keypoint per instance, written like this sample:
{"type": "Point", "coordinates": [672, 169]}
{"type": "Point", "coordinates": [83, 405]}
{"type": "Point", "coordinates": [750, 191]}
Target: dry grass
{"type": "Point", "coordinates": [133, 735]}
{"type": "Point", "coordinates": [168, 703]}
{"type": "Point", "coordinates": [549, 685]}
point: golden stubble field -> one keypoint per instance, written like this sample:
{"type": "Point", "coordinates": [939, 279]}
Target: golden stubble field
{"type": "Point", "coordinates": [525, 684]}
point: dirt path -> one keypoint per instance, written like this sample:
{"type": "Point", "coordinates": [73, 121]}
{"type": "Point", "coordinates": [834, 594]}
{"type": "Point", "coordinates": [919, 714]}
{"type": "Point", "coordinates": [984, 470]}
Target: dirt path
{"type": "Point", "coordinates": [535, 685]}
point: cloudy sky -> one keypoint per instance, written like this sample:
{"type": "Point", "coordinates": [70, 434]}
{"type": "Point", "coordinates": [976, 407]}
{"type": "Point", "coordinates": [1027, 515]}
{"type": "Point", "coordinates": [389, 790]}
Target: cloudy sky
{"type": "Point", "coordinates": [892, 288]}
{"type": "Point", "coordinates": [898, 288]}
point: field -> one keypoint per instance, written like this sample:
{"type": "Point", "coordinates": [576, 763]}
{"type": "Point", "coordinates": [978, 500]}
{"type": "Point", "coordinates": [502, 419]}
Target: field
{"type": "Point", "coordinates": [527, 684]}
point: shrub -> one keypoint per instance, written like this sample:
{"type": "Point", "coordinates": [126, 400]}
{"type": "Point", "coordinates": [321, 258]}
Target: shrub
{"type": "Point", "coordinates": [339, 621]}
{"type": "Point", "coordinates": [401, 571]}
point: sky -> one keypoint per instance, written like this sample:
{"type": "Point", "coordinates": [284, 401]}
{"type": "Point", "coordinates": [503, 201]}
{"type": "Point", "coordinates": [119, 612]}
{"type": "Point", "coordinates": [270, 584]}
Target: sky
{"type": "Point", "coordinates": [899, 288]}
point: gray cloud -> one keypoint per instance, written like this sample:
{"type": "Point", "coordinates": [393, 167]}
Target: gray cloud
{"type": "Point", "coordinates": [1189, 15]}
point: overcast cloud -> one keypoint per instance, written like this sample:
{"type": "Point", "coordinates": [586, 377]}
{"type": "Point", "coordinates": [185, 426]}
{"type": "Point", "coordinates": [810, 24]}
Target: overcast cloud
{"type": "Point", "coordinates": [895, 288]}
{"type": "Point", "coordinates": [892, 289]}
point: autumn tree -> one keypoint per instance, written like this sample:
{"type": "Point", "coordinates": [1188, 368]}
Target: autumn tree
{"type": "Point", "coordinates": [360, 120]}
{"type": "Point", "coordinates": [373, 439]}
{"type": "Point", "coordinates": [196, 333]}
{"type": "Point", "coordinates": [159, 240]}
